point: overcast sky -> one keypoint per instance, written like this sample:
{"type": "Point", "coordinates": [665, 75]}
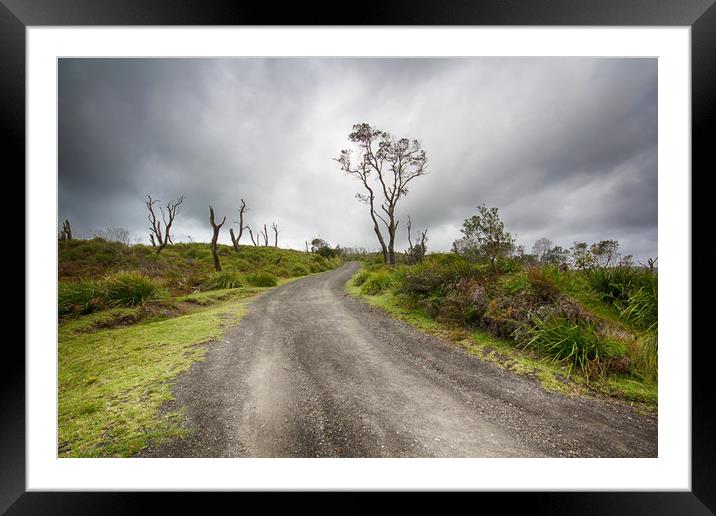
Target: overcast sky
{"type": "Point", "coordinates": [566, 148]}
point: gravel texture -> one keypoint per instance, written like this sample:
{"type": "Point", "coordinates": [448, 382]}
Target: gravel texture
{"type": "Point", "coordinates": [313, 372]}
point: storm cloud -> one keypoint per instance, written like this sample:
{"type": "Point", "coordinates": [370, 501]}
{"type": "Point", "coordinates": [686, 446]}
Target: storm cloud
{"type": "Point", "coordinates": [566, 148]}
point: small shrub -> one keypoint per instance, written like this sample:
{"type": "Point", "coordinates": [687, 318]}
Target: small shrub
{"type": "Point", "coordinates": [544, 282]}
{"type": "Point", "coordinates": [263, 279]}
{"type": "Point", "coordinates": [361, 278]}
{"type": "Point", "coordinates": [579, 344]}
{"type": "Point", "coordinates": [80, 297]}
{"type": "Point", "coordinates": [300, 270]}
{"type": "Point", "coordinates": [645, 356]}
{"type": "Point", "coordinates": [128, 289]}
{"type": "Point", "coordinates": [377, 282]}
{"type": "Point", "coordinates": [224, 279]}
{"type": "Point", "coordinates": [641, 308]}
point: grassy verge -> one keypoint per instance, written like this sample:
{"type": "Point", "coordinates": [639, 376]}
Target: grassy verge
{"type": "Point", "coordinates": [116, 369]}
{"type": "Point", "coordinates": [553, 376]}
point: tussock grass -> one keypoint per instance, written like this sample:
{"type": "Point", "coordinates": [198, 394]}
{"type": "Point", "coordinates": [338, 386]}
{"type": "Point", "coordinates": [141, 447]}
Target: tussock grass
{"type": "Point", "coordinates": [223, 280]}
{"type": "Point", "coordinates": [377, 282]}
{"type": "Point", "coordinates": [263, 279]}
{"type": "Point", "coordinates": [128, 289]}
{"type": "Point", "coordinates": [578, 344]}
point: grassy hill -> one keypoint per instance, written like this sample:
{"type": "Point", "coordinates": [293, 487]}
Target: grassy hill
{"type": "Point", "coordinates": [131, 320]}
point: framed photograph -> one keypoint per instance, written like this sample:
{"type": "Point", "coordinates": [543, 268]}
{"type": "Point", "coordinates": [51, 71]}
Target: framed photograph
{"type": "Point", "coordinates": [411, 250]}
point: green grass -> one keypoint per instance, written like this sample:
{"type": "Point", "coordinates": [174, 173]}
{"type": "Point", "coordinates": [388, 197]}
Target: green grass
{"type": "Point", "coordinates": [223, 280]}
{"type": "Point", "coordinates": [112, 382]}
{"type": "Point", "coordinates": [552, 376]}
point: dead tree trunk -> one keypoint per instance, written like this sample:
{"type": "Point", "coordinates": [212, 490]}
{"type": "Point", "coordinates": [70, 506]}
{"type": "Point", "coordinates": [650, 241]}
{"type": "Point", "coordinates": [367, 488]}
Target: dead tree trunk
{"type": "Point", "coordinates": [66, 233]}
{"type": "Point", "coordinates": [416, 253]}
{"type": "Point", "coordinates": [307, 246]}
{"type": "Point", "coordinates": [254, 241]}
{"type": "Point", "coordinates": [160, 236]}
{"type": "Point", "coordinates": [236, 239]}
{"type": "Point", "coordinates": [215, 238]}
{"type": "Point", "coordinates": [265, 235]}
{"type": "Point", "coordinates": [275, 234]}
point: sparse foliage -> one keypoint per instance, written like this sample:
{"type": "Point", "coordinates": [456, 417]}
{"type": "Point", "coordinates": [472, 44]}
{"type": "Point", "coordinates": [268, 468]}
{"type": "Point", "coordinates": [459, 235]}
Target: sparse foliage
{"type": "Point", "coordinates": [416, 253]}
{"type": "Point", "coordinates": [385, 166]}
{"type": "Point", "coordinates": [119, 235]}
{"type": "Point", "coordinates": [541, 247]}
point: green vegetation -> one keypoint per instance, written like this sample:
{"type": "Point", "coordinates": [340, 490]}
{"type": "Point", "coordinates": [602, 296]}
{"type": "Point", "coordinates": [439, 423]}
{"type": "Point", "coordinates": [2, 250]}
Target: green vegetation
{"type": "Point", "coordinates": [574, 330]}
{"type": "Point", "coordinates": [131, 320]}
{"type": "Point", "coordinates": [113, 381]}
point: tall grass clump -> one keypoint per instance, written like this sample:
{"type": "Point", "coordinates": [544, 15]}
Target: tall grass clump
{"type": "Point", "coordinates": [128, 289]}
{"type": "Point", "coordinates": [78, 297]}
{"type": "Point", "coordinates": [377, 282]}
{"type": "Point", "coordinates": [577, 344]}
{"type": "Point", "coordinates": [641, 308]}
{"type": "Point", "coordinates": [645, 356]}
{"type": "Point", "coordinates": [224, 279]}
{"type": "Point", "coordinates": [263, 279]}
{"type": "Point", "coordinates": [361, 278]}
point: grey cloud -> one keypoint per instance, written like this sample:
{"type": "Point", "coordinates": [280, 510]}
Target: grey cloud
{"type": "Point", "coordinates": [565, 147]}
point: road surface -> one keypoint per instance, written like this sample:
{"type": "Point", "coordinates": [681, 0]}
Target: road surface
{"type": "Point", "coordinates": [313, 372]}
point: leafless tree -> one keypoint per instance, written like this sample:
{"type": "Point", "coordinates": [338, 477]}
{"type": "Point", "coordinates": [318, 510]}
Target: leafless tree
{"type": "Point", "coordinates": [541, 247]}
{"type": "Point", "coordinates": [275, 234]}
{"type": "Point", "coordinates": [215, 238]}
{"type": "Point", "coordinates": [119, 235]}
{"type": "Point", "coordinates": [265, 235]}
{"type": "Point", "coordinates": [66, 231]}
{"type": "Point", "coordinates": [251, 234]}
{"type": "Point", "coordinates": [236, 239]}
{"type": "Point", "coordinates": [650, 264]}
{"type": "Point", "coordinates": [384, 165]}
{"type": "Point", "coordinates": [158, 236]}
{"type": "Point", "coordinates": [416, 253]}
{"type": "Point", "coordinates": [307, 246]}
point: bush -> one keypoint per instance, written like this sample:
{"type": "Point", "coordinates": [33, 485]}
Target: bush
{"type": "Point", "coordinates": [377, 282]}
{"type": "Point", "coordinates": [617, 283]}
{"type": "Point", "coordinates": [546, 282]}
{"type": "Point", "coordinates": [263, 279]}
{"type": "Point", "coordinates": [225, 279]}
{"type": "Point", "coordinates": [128, 289]}
{"type": "Point", "coordinates": [579, 344]}
{"type": "Point", "coordinates": [641, 308]}
{"type": "Point", "coordinates": [361, 278]}
{"type": "Point", "coordinates": [436, 275]}
{"type": "Point", "coordinates": [78, 297]}
{"type": "Point", "coordinates": [300, 270]}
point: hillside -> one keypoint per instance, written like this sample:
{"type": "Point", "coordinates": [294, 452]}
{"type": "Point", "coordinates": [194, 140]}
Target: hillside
{"type": "Point", "coordinates": [132, 320]}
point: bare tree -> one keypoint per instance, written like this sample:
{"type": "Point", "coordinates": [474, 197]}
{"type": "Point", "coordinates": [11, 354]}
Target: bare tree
{"type": "Point", "coordinates": [158, 236]}
{"type": "Point", "coordinates": [275, 234]}
{"type": "Point", "coordinates": [215, 238]}
{"type": "Point", "coordinates": [265, 235]}
{"type": "Point", "coordinates": [236, 239]}
{"type": "Point", "coordinates": [307, 246]}
{"type": "Point", "coordinates": [66, 231]}
{"type": "Point", "coordinates": [119, 235]}
{"type": "Point", "coordinates": [650, 264]}
{"type": "Point", "coordinates": [384, 165]}
{"type": "Point", "coordinates": [416, 253]}
{"type": "Point", "coordinates": [541, 247]}
{"type": "Point", "coordinates": [251, 234]}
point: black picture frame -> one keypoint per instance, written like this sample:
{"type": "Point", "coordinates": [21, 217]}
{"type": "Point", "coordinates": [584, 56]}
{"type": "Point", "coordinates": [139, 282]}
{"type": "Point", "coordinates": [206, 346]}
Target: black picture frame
{"type": "Point", "coordinates": [699, 15]}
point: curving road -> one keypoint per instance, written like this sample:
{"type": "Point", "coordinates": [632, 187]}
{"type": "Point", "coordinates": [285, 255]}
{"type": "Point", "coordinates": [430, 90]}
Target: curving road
{"type": "Point", "coordinates": [313, 372]}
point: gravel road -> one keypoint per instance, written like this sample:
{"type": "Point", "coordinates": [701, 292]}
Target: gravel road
{"type": "Point", "coordinates": [313, 372]}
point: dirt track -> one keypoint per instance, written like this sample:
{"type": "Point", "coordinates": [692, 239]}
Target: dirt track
{"type": "Point", "coordinates": [313, 372]}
